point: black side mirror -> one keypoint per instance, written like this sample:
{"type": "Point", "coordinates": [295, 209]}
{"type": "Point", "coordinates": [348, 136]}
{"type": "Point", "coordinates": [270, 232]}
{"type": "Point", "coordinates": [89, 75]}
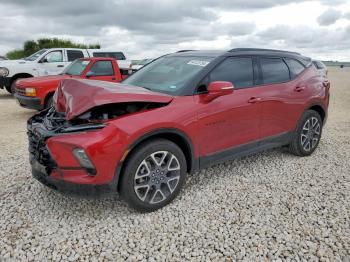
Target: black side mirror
{"type": "Point", "coordinates": [43, 60]}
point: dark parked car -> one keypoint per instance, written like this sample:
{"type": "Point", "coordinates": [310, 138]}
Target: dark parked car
{"type": "Point", "coordinates": [183, 112]}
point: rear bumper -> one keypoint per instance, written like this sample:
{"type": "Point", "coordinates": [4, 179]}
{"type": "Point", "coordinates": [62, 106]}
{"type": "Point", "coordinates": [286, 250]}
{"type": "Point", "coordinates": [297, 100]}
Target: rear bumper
{"type": "Point", "coordinates": [29, 102]}
{"type": "Point", "coordinates": [5, 82]}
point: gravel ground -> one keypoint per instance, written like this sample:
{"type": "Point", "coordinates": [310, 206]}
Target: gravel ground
{"type": "Point", "coordinates": [270, 206]}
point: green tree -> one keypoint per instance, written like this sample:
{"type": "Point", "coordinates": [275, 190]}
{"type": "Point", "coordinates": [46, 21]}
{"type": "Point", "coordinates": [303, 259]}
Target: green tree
{"type": "Point", "coordinates": [31, 46]}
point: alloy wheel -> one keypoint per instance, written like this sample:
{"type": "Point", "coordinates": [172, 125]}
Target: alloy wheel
{"type": "Point", "coordinates": [310, 134]}
{"type": "Point", "coordinates": [157, 177]}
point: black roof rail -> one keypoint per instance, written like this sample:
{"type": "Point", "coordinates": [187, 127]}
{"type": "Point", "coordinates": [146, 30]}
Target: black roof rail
{"type": "Point", "coordinates": [262, 49]}
{"type": "Point", "coordinates": [186, 50]}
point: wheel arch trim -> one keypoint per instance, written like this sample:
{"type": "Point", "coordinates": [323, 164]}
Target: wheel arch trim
{"type": "Point", "coordinates": [161, 133]}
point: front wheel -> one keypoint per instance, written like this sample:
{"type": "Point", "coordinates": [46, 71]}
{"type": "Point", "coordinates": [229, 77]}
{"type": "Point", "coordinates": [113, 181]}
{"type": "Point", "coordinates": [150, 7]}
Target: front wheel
{"type": "Point", "coordinates": [154, 175]}
{"type": "Point", "coordinates": [307, 135]}
{"type": "Point", "coordinates": [13, 86]}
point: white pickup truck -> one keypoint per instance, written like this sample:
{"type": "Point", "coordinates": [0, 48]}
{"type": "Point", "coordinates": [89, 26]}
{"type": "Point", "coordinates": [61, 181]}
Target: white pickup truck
{"type": "Point", "coordinates": [50, 62]}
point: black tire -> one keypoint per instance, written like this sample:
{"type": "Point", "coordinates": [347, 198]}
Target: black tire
{"type": "Point", "coordinates": [8, 89]}
{"type": "Point", "coordinates": [298, 146]}
{"type": "Point", "coordinates": [13, 86]}
{"type": "Point", "coordinates": [169, 182]}
{"type": "Point", "coordinates": [49, 101]}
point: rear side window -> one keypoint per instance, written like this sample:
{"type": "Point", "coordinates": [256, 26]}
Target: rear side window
{"type": "Point", "coordinates": [74, 54]}
{"type": "Point", "coordinates": [295, 67]}
{"type": "Point", "coordinates": [116, 55]}
{"type": "Point", "coordinates": [274, 70]}
{"type": "Point", "coordinates": [102, 68]}
{"type": "Point", "coordinates": [237, 70]}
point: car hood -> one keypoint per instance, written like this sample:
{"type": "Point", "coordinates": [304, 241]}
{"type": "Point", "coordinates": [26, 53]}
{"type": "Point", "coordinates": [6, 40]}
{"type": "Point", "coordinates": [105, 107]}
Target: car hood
{"type": "Point", "coordinates": [76, 96]}
{"type": "Point", "coordinates": [40, 80]}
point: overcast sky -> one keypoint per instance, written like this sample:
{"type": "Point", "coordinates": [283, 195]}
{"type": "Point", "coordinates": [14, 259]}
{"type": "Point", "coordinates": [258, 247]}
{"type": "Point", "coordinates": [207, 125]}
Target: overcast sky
{"type": "Point", "coordinates": [149, 28]}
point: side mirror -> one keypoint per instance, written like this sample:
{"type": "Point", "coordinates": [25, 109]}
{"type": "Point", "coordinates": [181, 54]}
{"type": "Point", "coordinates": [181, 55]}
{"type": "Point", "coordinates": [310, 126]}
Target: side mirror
{"type": "Point", "coordinates": [218, 88]}
{"type": "Point", "coordinates": [90, 74]}
{"type": "Point", "coordinates": [43, 60]}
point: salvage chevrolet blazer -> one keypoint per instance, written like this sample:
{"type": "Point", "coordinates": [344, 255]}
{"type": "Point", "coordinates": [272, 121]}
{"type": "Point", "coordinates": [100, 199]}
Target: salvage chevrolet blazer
{"type": "Point", "coordinates": [180, 113]}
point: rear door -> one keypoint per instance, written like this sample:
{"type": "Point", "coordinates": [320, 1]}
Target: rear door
{"type": "Point", "coordinates": [102, 70]}
{"type": "Point", "coordinates": [231, 120]}
{"type": "Point", "coordinates": [283, 95]}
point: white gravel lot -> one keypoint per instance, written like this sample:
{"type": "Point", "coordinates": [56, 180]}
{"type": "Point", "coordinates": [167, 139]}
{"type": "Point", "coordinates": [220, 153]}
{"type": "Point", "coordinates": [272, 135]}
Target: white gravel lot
{"type": "Point", "coordinates": [270, 206]}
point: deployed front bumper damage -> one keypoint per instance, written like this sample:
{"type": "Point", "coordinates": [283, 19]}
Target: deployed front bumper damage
{"type": "Point", "coordinates": [42, 127]}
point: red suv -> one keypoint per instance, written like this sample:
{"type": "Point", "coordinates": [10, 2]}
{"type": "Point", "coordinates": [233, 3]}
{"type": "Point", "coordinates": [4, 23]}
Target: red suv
{"type": "Point", "coordinates": [180, 113]}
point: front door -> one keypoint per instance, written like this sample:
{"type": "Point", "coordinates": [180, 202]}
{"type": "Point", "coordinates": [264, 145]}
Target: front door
{"type": "Point", "coordinates": [53, 63]}
{"type": "Point", "coordinates": [231, 120]}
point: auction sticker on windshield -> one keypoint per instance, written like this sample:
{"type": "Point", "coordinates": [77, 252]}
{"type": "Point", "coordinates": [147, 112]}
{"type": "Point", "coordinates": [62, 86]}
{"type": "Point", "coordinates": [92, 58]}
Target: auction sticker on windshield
{"type": "Point", "coordinates": [198, 63]}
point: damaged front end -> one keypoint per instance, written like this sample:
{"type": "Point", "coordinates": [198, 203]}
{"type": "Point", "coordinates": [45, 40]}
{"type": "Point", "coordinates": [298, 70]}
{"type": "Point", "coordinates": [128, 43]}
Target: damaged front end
{"type": "Point", "coordinates": [49, 123]}
{"type": "Point", "coordinates": [74, 140]}
{"type": "Point", "coordinates": [44, 125]}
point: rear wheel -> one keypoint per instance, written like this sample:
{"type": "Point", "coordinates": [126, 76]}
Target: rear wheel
{"type": "Point", "coordinates": [308, 134]}
{"type": "Point", "coordinates": [154, 175]}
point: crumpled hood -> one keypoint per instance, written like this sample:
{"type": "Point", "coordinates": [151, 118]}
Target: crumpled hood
{"type": "Point", "coordinates": [40, 80]}
{"type": "Point", "coordinates": [76, 96]}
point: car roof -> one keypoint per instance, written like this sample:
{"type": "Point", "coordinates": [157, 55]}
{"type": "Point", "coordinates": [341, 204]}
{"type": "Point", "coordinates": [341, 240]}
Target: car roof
{"type": "Point", "coordinates": [244, 51]}
{"type": "Point", "coordinates": [97, 58]}
{"type": "Point", "coordinates": [235, 51]}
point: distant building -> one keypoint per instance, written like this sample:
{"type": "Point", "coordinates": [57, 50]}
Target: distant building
{"type": "Point", "coordinates": [3, 58]}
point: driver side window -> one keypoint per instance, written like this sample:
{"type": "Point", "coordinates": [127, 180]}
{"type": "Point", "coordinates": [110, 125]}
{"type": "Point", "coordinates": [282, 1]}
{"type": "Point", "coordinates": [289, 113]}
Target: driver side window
{"type": "Point", "coordinates": [54, 57]}
{"type": "Point", "coordinates": [237, 70]}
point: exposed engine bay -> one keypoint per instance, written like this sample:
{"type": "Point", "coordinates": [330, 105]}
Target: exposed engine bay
{"type": "Point", "coordinates": [112, 111]}
{"type": "Point", "coordinates": [95, 118]}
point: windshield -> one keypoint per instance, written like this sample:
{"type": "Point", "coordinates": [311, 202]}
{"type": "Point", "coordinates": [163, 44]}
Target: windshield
{"type": "Point", "coordinates": [36, 55]}
{"type": "Point", "coordinates": [144, 61]}
{"type": "Point", "coordinates": [168, 74]}
{"type": "Point", "coordinates": [76, 68]}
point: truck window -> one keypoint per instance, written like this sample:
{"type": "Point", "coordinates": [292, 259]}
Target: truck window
{"type": "Point", "coordinates": [36, 55]}
{"type": "Point", "coordinates": [54, 57]}
{"type": "Point", "coordinates": [116, 55]}
{"type": "Point", "coordinates": [76, 68]}
{"type": "Point", "coordinates": [102, 68]}
{"type": "Point", "coordinates": [74, 54]}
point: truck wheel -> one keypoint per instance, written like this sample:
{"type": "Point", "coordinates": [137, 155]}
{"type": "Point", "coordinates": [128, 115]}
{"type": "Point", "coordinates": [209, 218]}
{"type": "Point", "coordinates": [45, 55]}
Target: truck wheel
{"type": "Point", "coordinates": [154, 175]}
{"type": "Point", "coordinates": [308, 134]}
{"type": "Point", "coordinates": [8, 89]}
{"type": "Point", "coordinates": [13, 86]}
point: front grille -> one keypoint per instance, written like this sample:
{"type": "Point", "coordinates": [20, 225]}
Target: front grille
{"type": "Point", "coordinates": [39, 152]}
{"type": "Point", "coordinates": [20, 91]}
